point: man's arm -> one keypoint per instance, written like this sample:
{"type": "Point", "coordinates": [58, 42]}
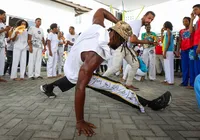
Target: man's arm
{"type": "Point", "coordinates": [198, 49]}
{"type": "Point", "coordinates": [134, 39]}
{"type": "Point", "coordinates": [5, 30]}
{"type": "Point", "coordinates": [91, 63]}
{"type": "Point", "coordinates": [191, 27]}
{"type": "Point", "coordinates": [168, 43]}
{"type": "Point", "coordinates": [44, 44]}
{"type": "Point", "coordinates": [102, 14]}
{"type": "Point", "coordinates": [49, 47]}
{"type": "Point", "coordinates": [179, 44]}
{"type": "Point", "coordinates": [30, 43]}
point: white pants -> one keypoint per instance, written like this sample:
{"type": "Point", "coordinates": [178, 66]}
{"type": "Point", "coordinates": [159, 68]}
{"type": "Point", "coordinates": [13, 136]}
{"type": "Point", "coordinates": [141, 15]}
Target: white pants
{"type": "Point", "coordinates": [149, 59]}
{"type": "Point", "coordinates": [2, 61]}
{"type": "Point", "coordinates": [34, 64]}
{"type": "Point", "coordinates": [19, 56]}
{"type": "Point", "coordinates": [138, 74]}
{"type": "Point", "coordinates": [51, 64]}
{"type": "Point", "coordinates": [60, 59]}
{"type": "Point", "coordinates": [118, 56]}
{"type": "Point", "coordinates": [118, 89]}
{"type": "Point", "coordinates": [159, 63]}
{"type": "Point", "coordinates": [169, 67]}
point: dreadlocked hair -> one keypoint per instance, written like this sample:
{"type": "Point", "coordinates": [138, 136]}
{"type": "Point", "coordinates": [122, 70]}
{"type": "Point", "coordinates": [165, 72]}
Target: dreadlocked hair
{"type": "Point", "coordinates": [124, 47]}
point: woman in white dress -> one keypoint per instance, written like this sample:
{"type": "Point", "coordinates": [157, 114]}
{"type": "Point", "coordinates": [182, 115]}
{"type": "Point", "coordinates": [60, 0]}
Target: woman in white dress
{"type": "Point", "coordinates": [19, 38]}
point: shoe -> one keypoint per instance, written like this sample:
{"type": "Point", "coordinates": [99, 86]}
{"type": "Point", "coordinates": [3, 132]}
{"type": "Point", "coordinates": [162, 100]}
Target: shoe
{"type": "Point", "coordinates": [39, 77]}
{"type": "Point", "coordinates": [48, 92]}
{"type": "Point", "coordinates": [32, 78]}
{"type": "Point", "coordinates": [161, 102]}
{"type": "Point", "coordinates": [190, 87]}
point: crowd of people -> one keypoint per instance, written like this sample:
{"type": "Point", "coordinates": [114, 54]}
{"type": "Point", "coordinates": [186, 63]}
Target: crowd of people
{"type": "Point", "coordinates": [89, 52]}
{"type": "Point", "coordinates": [24, 47]}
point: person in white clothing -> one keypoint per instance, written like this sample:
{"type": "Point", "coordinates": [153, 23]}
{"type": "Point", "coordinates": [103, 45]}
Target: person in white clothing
{"type": "Point", "coordinates": [71, 38]}
{"type": "Point", "coordinates": [127, 52]}
{"type": "Point", "coordinates": [60, 52]}
{"type": "Point", "coordinates": [141, 71]}
{"type": "Point", "coordinates": [149, 56]}
{"type": "Point", "coordinates": [52, 43]}
{"type": "Point", "coordinates": [3, 31]}
{"type": "Point", "coordinates": [89, 51]}
{"type": "Point", "coordinates": [19, 52]}
{"type": "Point", "coordinates": [36, 42]}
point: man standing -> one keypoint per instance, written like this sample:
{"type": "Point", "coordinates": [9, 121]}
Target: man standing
{"type": "Point", "coordinates": [127, 52]}
{"type": "Point", "coordinates": [35, 41]}
{"type": "Point", "coordinates": [52, 43]}
{"type": "Point", "coordinates": [159, 57]}
{"type": "Point", "coordinates": [193, 55]}
{"type": "Point", "coordinates": [3, 30]}
{"type": "Point", "coordinates": [71, 38]}
{"type": "Point", "coordinates": [149, 56]}
{"type": "Point", "coordinates": [89, 51]}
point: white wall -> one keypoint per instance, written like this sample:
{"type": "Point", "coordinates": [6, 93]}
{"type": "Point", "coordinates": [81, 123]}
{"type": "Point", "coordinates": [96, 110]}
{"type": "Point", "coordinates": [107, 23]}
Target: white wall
{"type": "Point", "coordinates": [86, 19]}
{"type": "Point", "coordinates": [49, 11]}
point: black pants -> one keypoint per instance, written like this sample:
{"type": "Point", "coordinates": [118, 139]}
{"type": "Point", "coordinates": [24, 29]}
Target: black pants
{"type": "Point", "coordinates": [64, 84]}
{"type": "Point", "coordinates": [8, 64]}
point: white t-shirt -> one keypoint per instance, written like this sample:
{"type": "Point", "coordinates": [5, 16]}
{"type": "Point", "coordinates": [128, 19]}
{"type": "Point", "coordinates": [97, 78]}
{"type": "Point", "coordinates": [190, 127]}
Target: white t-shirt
{"type": "Point", "coordinates": [2, 35]}
{"type": "Point", "coordinates": [21, 41]}
{"type": "Point", "coordinates": [37, 36]}
{"type": "Point", "coordinates": [72, 39]}
{"type": "Point", "coordinates": [136, 27]}
{"type": "Point", "coordinates": [94, 39]}
{"type": "Point", "coordinates": [54, 41]}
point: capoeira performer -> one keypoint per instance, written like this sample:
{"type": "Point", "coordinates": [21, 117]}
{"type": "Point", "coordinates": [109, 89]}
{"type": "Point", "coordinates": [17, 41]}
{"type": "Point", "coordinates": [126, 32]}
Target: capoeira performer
{"type": "Point", "coordinates": [3, 30]}
{"type": "Point", "coordinates": [127, 53]}
{"type": "Point", "coordinates": [89, 51]}
{"type": "Point", "coordinates": [149, 56]}
{"type": "Point", "coordinates": [36, 42]}
{"type": "Point", "coordinates": [141, 71]}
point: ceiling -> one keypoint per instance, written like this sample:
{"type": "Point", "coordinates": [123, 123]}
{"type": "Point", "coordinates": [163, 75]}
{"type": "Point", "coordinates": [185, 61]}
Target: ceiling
{"type": "Point", "coordinates": [130, 5]}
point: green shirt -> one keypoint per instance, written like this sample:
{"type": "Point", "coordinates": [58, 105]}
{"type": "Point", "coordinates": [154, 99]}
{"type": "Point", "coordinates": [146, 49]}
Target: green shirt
{"type": "Point", "coordinates": [149, 36]}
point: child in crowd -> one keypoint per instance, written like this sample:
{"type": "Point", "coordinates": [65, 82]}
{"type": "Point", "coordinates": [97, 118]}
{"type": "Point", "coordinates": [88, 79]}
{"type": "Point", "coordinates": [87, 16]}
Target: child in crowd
{"type": "Point", "coordinates": [168, 55]}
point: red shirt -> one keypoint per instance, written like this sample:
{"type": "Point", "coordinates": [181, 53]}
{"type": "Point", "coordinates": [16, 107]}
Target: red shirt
{"type": "Point", "coordinates": [186, 39]}
{"type": "Point", "coordinates": [158, 48]}
{"type": "Point", "coordinates": [197, 33]}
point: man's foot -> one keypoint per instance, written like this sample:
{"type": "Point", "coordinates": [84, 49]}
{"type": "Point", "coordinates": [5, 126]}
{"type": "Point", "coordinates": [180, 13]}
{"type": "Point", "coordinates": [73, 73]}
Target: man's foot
{"type": "Point", "coordinates": [170, 84]}
{"type": "Point", "coordinates": [190, 87]}
{"type": "Point", "coordinates": [2, 80]}
{"type": "Point", "coordinates": [16, 79]}
{"type": "Point", "coordinates": [32, 78]}
{"type": "Point", "coordinates": [122, 80]}
{"type": "Point", "coordinates": [22, 79]}
{"type": "Point", "coordinates": [48, 92]}
{"type": "Point", "coordinates": [161, 102]}
{"type": "Point", "coordinates": [131, 87]}
{"type": "Point", "coordinates": [39, 77]}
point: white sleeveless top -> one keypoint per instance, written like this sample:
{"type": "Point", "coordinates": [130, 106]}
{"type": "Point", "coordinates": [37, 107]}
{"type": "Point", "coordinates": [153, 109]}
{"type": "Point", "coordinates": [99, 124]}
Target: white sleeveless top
{"type": "Point", "coordinates": [94, 39]}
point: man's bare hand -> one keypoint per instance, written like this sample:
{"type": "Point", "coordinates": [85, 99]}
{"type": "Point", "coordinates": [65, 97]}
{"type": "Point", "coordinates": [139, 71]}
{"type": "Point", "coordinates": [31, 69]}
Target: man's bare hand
{"type": "Point", "coordinates": [7, 28]}
{"type": "Point", "coordinates": [198, 50]}
{"type": "Point", "coordinates": [50, 53]}
{"type": "Point", "coordinates": [193, 16]}
{"type": "Point", "coordinates": [86, 128]}
{"type": "Point", "coordinates": [31, 49]}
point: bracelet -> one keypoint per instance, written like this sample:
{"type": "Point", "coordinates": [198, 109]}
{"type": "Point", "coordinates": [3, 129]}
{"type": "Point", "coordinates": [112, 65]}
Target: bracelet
{"type": "Point", "coordinates": [80, 121]}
